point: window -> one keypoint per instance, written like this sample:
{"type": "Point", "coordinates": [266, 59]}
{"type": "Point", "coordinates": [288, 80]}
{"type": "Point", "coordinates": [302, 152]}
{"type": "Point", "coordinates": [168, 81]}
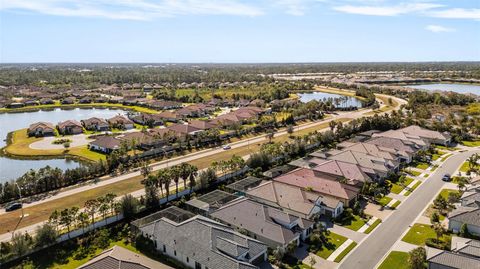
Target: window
{"type": "Point", "coordinates": [188, 260]}
{"type": "Point", "coordinates": [175, 252]}
{"type": "Point", "coordinates": [164, 248]}
{"type": "Point", "coordinates": [198, 266]}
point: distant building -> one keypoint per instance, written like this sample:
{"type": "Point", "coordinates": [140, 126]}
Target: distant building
{"type": "Point", "coordinates": [70, 127]}
{"type": "Point", "coordinates": [41, 129]}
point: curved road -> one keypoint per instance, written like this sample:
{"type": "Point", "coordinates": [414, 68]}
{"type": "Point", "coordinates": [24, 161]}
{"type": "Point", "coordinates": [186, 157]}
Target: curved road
{"type": "Point", "coordinates": [374, 247]}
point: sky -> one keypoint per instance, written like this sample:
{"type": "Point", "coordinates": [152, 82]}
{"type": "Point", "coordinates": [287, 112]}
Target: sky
{"type": "Point", "coordinates": [238, 31]}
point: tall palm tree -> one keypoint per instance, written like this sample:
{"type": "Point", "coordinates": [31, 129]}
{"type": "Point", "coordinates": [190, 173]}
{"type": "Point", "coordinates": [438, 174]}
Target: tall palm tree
{"type": "Point", "coordinates": [167, 179]}
{"type": "Point", "coordinates": [55, 219]}
{"type": "Point", "coordinates": [184, 171]}
{"type": "Point", "coordinates": [175, 176]}
{"type": "Point", "coordinates": [160, 179]}
{"type": "Point", "coordinates": [91, 208]}
{"type": "Point", "coordinates": [193, 172]}
{"type": "Point", "coordinates": [110, 199]}
{"type": "Point", "coordinates": [82, 219]}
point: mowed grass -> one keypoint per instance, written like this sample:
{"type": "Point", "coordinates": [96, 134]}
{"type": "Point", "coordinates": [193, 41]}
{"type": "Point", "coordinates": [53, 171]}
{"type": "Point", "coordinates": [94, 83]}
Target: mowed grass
{"type": "Point", "coordinates": [465, 167]}
{"type": "Point", "coordinates": [395, 260]}
{"type": "Point", "coordinates": [422, 165]}
{"type": "Point", "coordinates": [20, 147]}
{"type": "Point", "coordinates": [415, 186]}
{"type": "Point", "coordinates": [419, 233]}
{"type": "Point", "coordinates": [384, 200]}
{"type": "Point", "coordinates": [475, 143]}
{"type": "Point", "coordinates": [334, 241]}
{"type": "Point", "coordinates": [397, 188]}
{"type": "Point", "coordinates": [373, 226]}
{"type": "Point", "coordinates": [355, 224]}
{"type": "Point", "coordinates": [446, 192]}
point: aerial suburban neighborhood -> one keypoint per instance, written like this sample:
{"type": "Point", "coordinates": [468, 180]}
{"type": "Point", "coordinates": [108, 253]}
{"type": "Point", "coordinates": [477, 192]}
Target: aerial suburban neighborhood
{"type": "Point", "coordinates": [293, 134]}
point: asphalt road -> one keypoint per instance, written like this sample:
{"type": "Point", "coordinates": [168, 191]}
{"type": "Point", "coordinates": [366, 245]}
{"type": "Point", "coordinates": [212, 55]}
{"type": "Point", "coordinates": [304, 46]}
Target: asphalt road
{"type": "Point", "coordinates": [368, 254]}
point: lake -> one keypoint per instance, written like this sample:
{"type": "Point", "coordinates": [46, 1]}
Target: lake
{"type": "Point", "coordinates": [343, 101]}
{"type": "Point", "coordinates": [459, 88]}
{"type": "Point", "coordinates": [12, 169]}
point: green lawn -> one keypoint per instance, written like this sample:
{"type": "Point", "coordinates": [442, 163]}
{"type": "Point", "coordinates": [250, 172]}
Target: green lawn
{"type": "Point", "coordinates": [422, 165]}
{"type": "Point", "coordinates": [464, 167]}
{"type": "Point", "coordinates": [397, 188]}
{"type": "Point", "coordinates": [475, 143]}
{"type": "Point", "coordinates": [345, 252]}
{"type": "Point", "coordinates": [395, 205]}
{"type": "Point", "coordinates": [372, 227]}
{"type": "Point", "coordinates": [413, 188]}
{"type": "Point", "coordinates": [419, 233]}
{"type": "Point", "coordinates": [413, 173]}
{"type": "Point", "coordinates": [355, 224]}
{"type": "Point", "coordinates": [426, 175]}
{"type": "Point", "coordinates": [445, 192]}
{"type": "Point", "coordinates": [434, 168]}
{"type": "Point", "coordinates": [395, 260]}
{"type": "Point", "coordinates": [384, 200]}
{"type": "Point", "coordinates": [334, 241]}
{"type": "Point", "coordinates": [445, 157]}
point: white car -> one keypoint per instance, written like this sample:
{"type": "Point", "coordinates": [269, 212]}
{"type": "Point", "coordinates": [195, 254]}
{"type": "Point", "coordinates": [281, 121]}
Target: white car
{"type": "Point", "coordinates": [226, 147]}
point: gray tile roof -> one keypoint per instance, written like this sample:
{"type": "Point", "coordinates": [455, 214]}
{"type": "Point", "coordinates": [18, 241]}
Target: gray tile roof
{"type": "Point", "coordinates": [468, 215]}
{"type": "Point", "coordinates": [206, 241]}
{"type": "Point", "coordinates": [455, 260]}
{"type": "Point", "coordinates": [260, 219]}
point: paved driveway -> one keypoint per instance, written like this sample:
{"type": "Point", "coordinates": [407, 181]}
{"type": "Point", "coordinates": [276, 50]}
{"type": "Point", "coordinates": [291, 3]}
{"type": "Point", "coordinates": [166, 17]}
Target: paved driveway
{"type": "Point", "coordinates": [377, 245]}
{"type": "Point", "coordinates": [47, 142]}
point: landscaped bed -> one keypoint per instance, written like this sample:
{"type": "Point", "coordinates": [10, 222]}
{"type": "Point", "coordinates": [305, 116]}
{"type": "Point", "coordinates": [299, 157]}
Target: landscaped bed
{"type": "Point", "coordinates": [395, 260]}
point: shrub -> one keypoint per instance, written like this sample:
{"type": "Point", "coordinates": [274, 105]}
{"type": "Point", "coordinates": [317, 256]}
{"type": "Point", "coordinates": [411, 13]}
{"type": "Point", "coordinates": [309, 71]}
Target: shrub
{"type": "Point", "coordinates": [434, 243]}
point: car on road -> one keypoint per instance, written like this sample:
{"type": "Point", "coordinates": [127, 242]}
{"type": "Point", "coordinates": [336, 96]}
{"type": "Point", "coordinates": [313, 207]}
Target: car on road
{"type": "Point", "coordinates": [13, 207]}
{"type": "Point", "coordinates": [227, 147]}
{"type": "Point", "coordinates": [446, 178]}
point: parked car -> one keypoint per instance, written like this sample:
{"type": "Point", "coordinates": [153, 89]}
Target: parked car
{"type": "Point", "coordinates": [446, 178]}
{"type": "Point", "coordinates": [13, 207]}
{"type": "Point", "coordinates": [226, 147]}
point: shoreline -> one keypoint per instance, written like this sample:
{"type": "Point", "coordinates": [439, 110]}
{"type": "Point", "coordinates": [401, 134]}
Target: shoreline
{"type": "Point", "coordinates": [37, 108]}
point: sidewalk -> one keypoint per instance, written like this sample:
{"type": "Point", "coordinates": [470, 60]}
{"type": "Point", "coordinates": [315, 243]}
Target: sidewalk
{"type": "Point", "coordinates": [368, 224]}
{"type": "Point", "coordinates": [339, 250]}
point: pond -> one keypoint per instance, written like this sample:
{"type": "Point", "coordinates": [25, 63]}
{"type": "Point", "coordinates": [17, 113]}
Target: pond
{"type": "Point", "coordinates": [459, 88]}
{"type": "Point", "coordinates": [12, 169]}
{"type": "Point", "coordinates": [337, 99]}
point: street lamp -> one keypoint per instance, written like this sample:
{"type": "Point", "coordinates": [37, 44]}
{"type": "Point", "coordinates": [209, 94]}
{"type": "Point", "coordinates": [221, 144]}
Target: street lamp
{"type": "Point", "coordinates": [21, 200]}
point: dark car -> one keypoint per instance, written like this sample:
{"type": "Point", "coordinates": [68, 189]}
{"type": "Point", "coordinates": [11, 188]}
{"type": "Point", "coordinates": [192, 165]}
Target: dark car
{"type": "Point", "coordinates": [446, 178]}
{"type": "Point", "coordinates": [13, 206]}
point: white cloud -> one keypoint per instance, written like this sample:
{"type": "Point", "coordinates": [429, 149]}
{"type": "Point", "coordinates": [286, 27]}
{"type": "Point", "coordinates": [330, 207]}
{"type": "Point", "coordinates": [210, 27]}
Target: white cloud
{"type": "Point", "coordinates": [438, 29]}
{"type": "Point", "coordinates": [292, 7]}
{"type": "Point", "coordinates": [457, 13]}
{"type": "Point", "coordinates": [392, 10]}
{"type": "Point", "coordinates": [132, 9]}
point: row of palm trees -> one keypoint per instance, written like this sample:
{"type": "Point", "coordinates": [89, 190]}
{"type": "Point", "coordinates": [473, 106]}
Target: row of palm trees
{"type": "Point", "coordinates": [164, 177]}
{"type": "Point", "coordinates": [74, 217]}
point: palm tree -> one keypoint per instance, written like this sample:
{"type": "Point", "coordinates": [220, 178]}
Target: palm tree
{"type": "Point", "coordinates": [184, 170]}
{"type": "Point", "coordinates": [167, 179]}
{"type": "Point", "coordinates": [82, 219]}
{"type": "Point", "coordinates": [55, 219]}
{"type": "Point", "coordinates": [66, 219]}
{"type": "Point", "coordinates": [110, 199]}
{"type": "Point", "coordinates": [175, 175]}
{"type": "Point", "coordinates": [91, 208]}
{"type": "Point", "coordinates": [193, 172]}
{"type": "Point", "coordinates": [160, 179]}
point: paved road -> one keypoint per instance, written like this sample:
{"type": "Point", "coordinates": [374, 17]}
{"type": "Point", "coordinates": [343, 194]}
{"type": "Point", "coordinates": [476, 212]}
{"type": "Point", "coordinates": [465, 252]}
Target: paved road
{"type": "Point", "coordinates": [374, 247]}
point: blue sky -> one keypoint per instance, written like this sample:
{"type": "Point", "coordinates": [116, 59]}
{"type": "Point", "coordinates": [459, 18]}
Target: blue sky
{"type": "Point", "coordinates": [239, 30]}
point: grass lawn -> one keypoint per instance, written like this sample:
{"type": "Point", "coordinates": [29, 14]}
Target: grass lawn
{"type": "Point", "coordinates": [384, 200]}
{"type": "Point", "coordinates": [355, 224]}
{"type": "Point", "coordinates": [395, 205]}
{"type": "Point", "coordinates": [413, 173]}
{"type": "Point", "coordinates": [434, 168]}
{"type": "Point", "coordinates": [422, 165]}
{"type": "Point", "coordinates": [345, 252]}
{"type": "Point", "coordinates": [426, 175]}
{"type": "Point", "coordinates": [413, 188]}
{"type": "Point", "coordinates": [445, 192]}
{"type": "Point", "coordinates": [475, 143]}
{"type": "Point", "coordinates": [395, 259]}
{"type": "Point", "coordinates": [374, 224]}
{"type": "Point", "coordinates": [464, 167]}
{"type": "Point", "coordinates": [334, 241]}
{"type": "Point", "coordinates": [397, 188]}
{"type": "Point", "coordinates": [419, 233]}
{"type": "Point", "coordinates": [446, 157]}
{"type": "Point", "coordinates": [20, 147]}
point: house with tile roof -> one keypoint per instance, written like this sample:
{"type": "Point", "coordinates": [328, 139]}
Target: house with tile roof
{"type": "Point", "coordinates": [295, 200]}
{"type": "Point", "coordinates": [465, 215]}
{"type": "Point", "coordinates": [105, 144]}
{"type": "Point", "coordinates": [121, 122]}
{"type": "Point", "coordinates": [326, 186]}
{"type": "Point", "coordinates": [464, 254]}
{"type": "Point", "coordinates": [267, 224]}
{"type": "Point", "coordinates": [96, 124]}
{"type": "Point", "coordinates": [42, 128]}
{"type": "Point", "coordinates": [70, 127]}
{"type": "Point", "coordinates": [199, 242]}
{"type": "Point", "coordinates": [120, 258]}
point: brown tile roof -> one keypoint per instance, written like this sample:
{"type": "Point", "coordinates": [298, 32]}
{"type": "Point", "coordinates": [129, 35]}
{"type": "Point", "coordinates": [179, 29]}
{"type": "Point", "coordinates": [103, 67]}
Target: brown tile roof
{"type": "Point", "coordinates": [118, 119]}
{"type": "Point", "coordinates": [306, 178]}
{"type": "Point", "coordinates": [43, 125]}
{"type": "Point", "coordinates": [69, 123]}
{"type": "Point", "coordinates": [108, 142]}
